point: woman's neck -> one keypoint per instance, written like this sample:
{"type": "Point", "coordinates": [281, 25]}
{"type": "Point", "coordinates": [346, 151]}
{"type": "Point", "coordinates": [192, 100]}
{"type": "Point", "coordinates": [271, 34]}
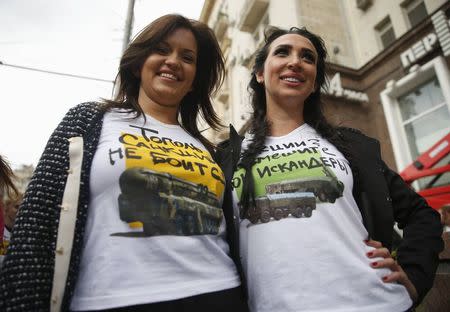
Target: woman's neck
{"type": "Point", "coordinates": [283, 121]}
{"type": "Point", "coordinates": [167, 114]}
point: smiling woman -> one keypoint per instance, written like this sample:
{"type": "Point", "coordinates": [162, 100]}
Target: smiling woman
{"type": "Point", "coordinates": [289, 77]}
{"type": "Point", "coordinates": [300, 181]}
{"type": "Point", "coordinates": [168, 75]}
{"type": "Point", "coordinates": [111, 225]}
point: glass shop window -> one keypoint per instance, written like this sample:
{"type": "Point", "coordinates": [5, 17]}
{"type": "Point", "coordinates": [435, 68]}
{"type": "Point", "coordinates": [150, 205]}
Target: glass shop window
{"type": "Point", "coordinates": [425, 118]}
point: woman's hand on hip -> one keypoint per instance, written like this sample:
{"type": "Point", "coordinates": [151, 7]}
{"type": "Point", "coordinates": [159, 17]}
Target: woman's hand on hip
{"type": "Point", "coordinates": [397, 274]}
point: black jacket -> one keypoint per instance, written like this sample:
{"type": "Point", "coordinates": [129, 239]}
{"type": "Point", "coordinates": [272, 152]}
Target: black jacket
{"type": "Point", "coordinates": [382, 197]}
{"type": "Point", "coordinates": [26, 278]}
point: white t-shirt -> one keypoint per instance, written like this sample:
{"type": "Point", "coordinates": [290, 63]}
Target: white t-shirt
{"type": "Point", "coordinates": [313, 258]}
{"type": "Point", "coordinates": [155, 229]}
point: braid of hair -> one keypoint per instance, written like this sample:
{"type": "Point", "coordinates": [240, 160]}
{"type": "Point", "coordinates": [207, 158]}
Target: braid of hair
{"type": "Point", "coordinates": [333, 135]}
{"type": "Point", "coordinates": [315, 118]}
{"type": "Point", "coordinates": [260, 128]}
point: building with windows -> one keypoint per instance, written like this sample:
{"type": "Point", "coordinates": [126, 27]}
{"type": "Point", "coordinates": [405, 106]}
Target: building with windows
{"type": "Point", "coordinates": [388, 64]}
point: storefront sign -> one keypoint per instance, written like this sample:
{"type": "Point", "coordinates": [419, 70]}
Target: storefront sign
{"type": "Point", "coordinates": [419, 50]}
{"type": "Point", "coordinates": [430, 41]}
{"type": "Point", "coordinates": [335, 89]}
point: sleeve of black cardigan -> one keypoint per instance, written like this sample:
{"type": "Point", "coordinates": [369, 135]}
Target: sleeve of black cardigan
{"type": "Point", "coordinates": [26, 275]}
{"type": "Point", "coordinates": [422, 242]}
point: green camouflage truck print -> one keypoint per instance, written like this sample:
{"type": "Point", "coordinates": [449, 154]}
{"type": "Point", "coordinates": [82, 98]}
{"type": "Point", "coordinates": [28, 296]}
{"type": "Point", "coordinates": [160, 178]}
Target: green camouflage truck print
{"type": "Point", "coordinates": [167, 205]}
{"type": "Point", "coordinates": [278, 206]}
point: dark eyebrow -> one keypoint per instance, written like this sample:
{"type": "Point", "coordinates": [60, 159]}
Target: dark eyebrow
{"type": "Point", "coordinates": [285, 46]}
{"type": "Point", "coordinates": [165, 43]}
{"type": "Point", "coordinates": [289, 47]}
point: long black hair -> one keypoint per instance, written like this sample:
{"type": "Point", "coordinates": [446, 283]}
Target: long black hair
{"type": "Point", "coordinates": [259, 124]}
{"type": "Point", "coordinates": [208, 77]}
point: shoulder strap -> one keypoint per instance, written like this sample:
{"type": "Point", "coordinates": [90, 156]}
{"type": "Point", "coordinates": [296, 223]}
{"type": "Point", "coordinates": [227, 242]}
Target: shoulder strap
{"type": "Point", "coordinates": [67, 220]}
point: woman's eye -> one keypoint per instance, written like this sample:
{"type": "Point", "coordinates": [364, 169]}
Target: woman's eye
{"type": "Point", "coordinates": [281, 51]}
{"type": "Point", "coordinates": [189, 58]}
{"type": "Point", "coordinates": [309, 57]}
{"type": "Point", "coordinates": [161, 50]}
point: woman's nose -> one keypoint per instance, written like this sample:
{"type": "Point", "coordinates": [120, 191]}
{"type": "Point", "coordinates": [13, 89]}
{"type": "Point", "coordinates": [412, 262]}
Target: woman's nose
{"type": "Point", "coordinates": [172, 61]}
{"type": "Point", "coordinates": [294, 62]}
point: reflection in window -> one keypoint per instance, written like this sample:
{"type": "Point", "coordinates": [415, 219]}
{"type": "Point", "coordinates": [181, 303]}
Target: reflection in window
{"type": "Point", "coordinates": [442, 179]}
{"type": "Point", "coordinates": [425, 118]}
{"type": "Point", "coordinates": [425, 131]}
{"type": "Point", "coordinates": [423, 98]}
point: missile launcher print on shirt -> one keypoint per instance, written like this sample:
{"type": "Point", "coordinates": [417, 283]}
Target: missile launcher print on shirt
{"type": "Point", "coordinates": [168, 187]}
{"type": "Point", "coordinates": [291, 179]}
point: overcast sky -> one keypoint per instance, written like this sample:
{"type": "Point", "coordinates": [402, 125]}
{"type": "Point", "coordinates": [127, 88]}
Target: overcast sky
{"type": "Point", "coordinates": [79, 37]}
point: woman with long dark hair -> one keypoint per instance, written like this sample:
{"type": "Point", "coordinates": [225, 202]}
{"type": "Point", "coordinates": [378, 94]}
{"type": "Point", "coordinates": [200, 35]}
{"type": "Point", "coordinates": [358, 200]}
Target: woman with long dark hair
{"type": "Point", "coordinates": [123, 212]}
{"type": "Point", "coordinates": [316, 203]}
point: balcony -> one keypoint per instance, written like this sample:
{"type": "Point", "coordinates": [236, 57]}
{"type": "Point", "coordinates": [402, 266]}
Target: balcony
{"type": "Point", "coordinates": [221, 26]}
{"type": "Point", "coordinates": [251, 15]}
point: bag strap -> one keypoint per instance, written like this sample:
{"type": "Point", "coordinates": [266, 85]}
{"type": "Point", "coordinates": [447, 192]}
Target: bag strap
{"type": "Point", "coordinates": [67, 220]}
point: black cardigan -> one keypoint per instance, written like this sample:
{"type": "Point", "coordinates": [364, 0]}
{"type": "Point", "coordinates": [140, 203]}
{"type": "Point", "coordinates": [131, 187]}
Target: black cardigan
{"type": "Point", "coordinates": [27, 274]}
{"type": "Point", "coordinates": [382, 197]}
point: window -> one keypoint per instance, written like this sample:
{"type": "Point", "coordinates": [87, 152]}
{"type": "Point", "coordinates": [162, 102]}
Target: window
{"type": "Point", "coordinates": [415, 11]}
{"type": "Point", "coordinates": [385, 32]}
{"type": "Point", "coordinates": [417, 111]}
{"type": "Point", "coordinates": [425, 116]}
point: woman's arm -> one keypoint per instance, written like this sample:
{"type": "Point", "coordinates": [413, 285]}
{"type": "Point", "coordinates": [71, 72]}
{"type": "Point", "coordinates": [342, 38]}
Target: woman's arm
{"type": "Point", "coordinates": [418, 253]}
{"type": "Point", "coordinates": [27, 273]}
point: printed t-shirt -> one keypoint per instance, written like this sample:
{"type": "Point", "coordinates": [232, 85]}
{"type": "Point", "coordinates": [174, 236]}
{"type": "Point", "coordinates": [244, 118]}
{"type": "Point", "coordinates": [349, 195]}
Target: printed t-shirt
{"type": "Point", "coordinates": [303, 244]}
{"type": "Point", "coordinates": [155, 229]}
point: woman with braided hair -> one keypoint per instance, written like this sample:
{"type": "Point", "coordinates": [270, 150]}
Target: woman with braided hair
{"type": "Point", "coordinates": [315, 204]}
